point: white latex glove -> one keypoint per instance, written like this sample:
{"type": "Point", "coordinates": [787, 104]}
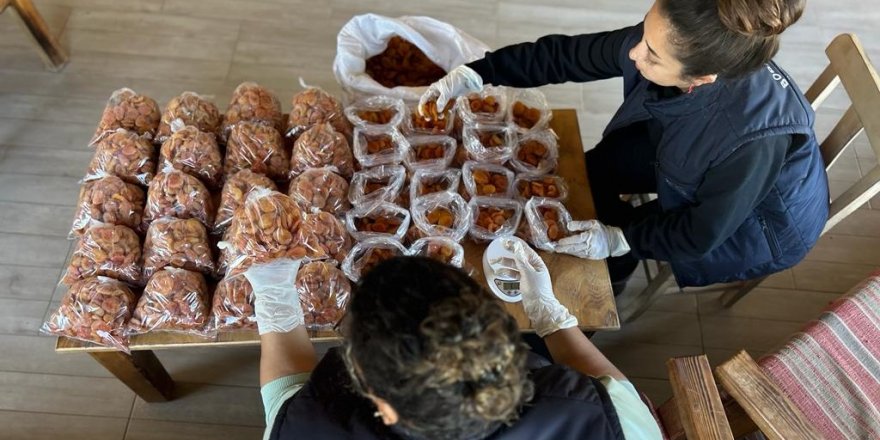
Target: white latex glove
{"type": "Point", "coordinates": [459, 81]}
{"type": "Point", "coordinates": [596, 242]}
{"type": "Point", "coordinates": [545, 312]}
{"type": "Point", "coordinates": [276, 300]}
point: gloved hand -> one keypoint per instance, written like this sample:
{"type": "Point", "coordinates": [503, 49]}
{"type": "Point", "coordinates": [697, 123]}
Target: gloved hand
{"type": "Point", "coordinates": [458, 82]}
{"type": "Point", "coordinates": [276, 300]}
{"type": "Point", "coordinates": [541, 306]}
{"type": "Point", "coordinates": [596, 242]}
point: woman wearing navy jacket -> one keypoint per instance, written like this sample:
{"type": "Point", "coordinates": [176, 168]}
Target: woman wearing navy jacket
{"type": "Point", "coordinates": [709, 123]}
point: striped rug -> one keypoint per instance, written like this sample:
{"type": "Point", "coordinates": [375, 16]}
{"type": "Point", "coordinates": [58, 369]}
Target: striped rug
{"type": "Point", "coordinates": [831, 369]}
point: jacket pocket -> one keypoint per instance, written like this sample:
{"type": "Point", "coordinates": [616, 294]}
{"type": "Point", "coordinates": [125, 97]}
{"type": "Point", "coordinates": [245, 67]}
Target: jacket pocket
{"type": "Point", "coordinates": [770, 235]}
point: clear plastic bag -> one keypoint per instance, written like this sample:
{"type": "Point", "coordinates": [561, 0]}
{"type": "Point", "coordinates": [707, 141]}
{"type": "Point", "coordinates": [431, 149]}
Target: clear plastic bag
{"type": "Point", "coordinates": [174, 193]}
{"type": "Point", "coordinates": [487, 106]}
{"type": "Point", "coordinates": [492, 217]}
{"type": "Point", "coordinates": [378, 147]}
{"type": "Point", "coordinates": [379, 184]}
{"type": "Point", "coordinates": [442, 214]}
{"type": "Point", "coordinates": [365, 255]}
{"type": "Point", "coordinates": [547, 186]}
{"type": "Point", "coordinates": [194, 152]}
{"type": "Point", "coordinates": [376, 112]}
{"type": "Point", "coordinates": [429, 152]}
{"type": "Point", "coordinates": [106, 250]}
{"type": "Point", "coordinates": [110, 200]}
{"type": "Point", "coordinates": [413, 234]}
{"type": "Point", "coordinates": [234, 192]}
{"type": "Point", "coordinates": [536, 152]}
{"type": "Point", "coordinates": [94, 310]}
{"type": "Point", "coordinates": [125, 154]}
{"type": "Point", "coordinates": [324, 236]}
{"type": "Point", "coordinates": [379, 219]}
{"type": "Point", "coordinates": [252, 102]}
{"type": "Point", "coordinates": [127, 110]}
{"type": "Point", "coordinates": [323, 294]}
{"type": "Point", "coordinates": [177, 243]}
{"type": "Point", "coordinates": [548, 222]}
{"type": "Point", "coordinates": [174, 300]}
{"type": "Point", "coordinates": [320, 189]}
{"type": "Point", "coordinates": [257, 147]}
{"type": "Point", "coordinates": [529, 110]}
{"type": "Point", "coordinates": [321, 146]}
{"type": "Point", "coordinates": [189, 109]}
{"type": "Point", "coordinates": [426, 182]}
{"type": "Point", "coordinates": [233, 305]}
{"type": "Point", "coordinates": [434, 121]}
{"type": "Point", "coordinates": [314, 106]}
{"type": "Point", "coordinates": [442, 249]}
{"type": "Point", "coordinates": [492, 143]}
{"type": "Point", "coordinates": [487, 180]}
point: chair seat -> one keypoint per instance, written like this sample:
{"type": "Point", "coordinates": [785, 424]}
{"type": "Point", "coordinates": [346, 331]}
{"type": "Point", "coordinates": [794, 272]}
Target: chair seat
{"type": "Point", "coordinates": [831, 370]}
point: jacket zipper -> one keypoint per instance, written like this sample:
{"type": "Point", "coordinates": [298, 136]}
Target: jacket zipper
{"type": "Point", "coordinates": [770, 236]}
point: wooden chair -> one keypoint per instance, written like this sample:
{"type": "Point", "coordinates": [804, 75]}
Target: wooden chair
{"type": "Point", "coordinates": [53, 54]}
{"type": "Point", "coordinates": [695, 411]}
{"type": "Point", "coordinates": [850, 66]}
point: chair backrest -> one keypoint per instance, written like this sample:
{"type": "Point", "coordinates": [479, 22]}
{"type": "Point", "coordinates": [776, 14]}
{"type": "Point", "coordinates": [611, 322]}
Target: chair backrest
{"type": "Point", "coordinates": [851, 67]}
{"type": "Point", "coordinates": [695, 411]}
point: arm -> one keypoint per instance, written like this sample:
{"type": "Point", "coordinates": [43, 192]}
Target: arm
{"type": "Point", "coordinates": [570, 347]}
{"type": "Point", "coordinates": [727, 196]}
{"type": "Point", "coordinates": [286, 354]}
{"type": "Point", "coordinates": [555, 59]}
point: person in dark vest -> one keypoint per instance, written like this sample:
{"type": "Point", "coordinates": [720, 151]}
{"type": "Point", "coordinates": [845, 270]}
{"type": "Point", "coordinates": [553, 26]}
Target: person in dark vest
{"type": "Point", "coordinates": [709, 122]}
{"type": "Point", "coordinates": [428, 353]}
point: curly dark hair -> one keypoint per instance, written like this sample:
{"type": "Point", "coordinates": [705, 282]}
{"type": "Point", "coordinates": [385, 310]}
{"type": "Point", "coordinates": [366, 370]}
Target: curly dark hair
{"type": "Point", "coordinates": [436, 346]}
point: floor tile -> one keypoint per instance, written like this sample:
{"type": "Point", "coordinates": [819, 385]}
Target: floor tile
{"type": "Point", "coordinates": [655, 327]}
{"type": "Point", "coordinates": [162, 430]}
{"type": "Point", "coordinates": [776, 304]}
{"type": "Point", "coordinates": [21, 317]}
{"type": "Point", "coordinates": [31, 283]}
{"type": "Point", "coordinates": [33, 250]}
{"type": "Point", "coordinates": [644, 360]}
{"type": "Point", "coordinates": [206, 404]}
{"type": "Point", "coordinates": [19, 425]}
{"type": "Point", "coordinates": [657, 390]}
{"type": "Point", "coordinates": [36, 354]}
{"type": "Point", "coordinates": [33, 219]}
{"type": "Point", "coordinates": [830, 276]}
{"type": "Point", "coordinates": [745, 333]}
{"type": "Point", "coordinates": [87, 396]}
{"type": "Point", "coordinates": [240, 366]}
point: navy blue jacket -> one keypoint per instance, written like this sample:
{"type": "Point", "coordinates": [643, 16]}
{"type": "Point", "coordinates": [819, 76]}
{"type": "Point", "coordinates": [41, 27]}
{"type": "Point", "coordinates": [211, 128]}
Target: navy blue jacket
{"type": "Point", "coordinates": [699, 131]}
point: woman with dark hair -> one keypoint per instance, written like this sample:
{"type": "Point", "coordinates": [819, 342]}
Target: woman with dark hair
{"type": "Point", "coordinates": [428, 353]}
{"type": "Point", "coordinates": [709, 123]}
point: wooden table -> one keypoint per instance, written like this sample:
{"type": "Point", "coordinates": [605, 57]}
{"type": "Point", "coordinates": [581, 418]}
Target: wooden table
{"type": "Point", "coordinates": [581, 285]}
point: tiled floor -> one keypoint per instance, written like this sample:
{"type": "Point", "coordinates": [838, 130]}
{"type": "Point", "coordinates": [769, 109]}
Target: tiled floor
{"type": "Point", "coordinates": [163, 47]}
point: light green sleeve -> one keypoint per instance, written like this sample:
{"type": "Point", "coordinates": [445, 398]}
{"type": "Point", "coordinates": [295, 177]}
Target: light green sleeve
{"type": "Point", "coordinates": [277, 392]}
{"type": "Point", "coordinates": [635, 418]}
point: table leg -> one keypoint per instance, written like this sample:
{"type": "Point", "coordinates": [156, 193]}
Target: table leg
{"type": "Point", "coordinates": [141, 371]}
{"type": "Point", "coordinates": [34, 22]}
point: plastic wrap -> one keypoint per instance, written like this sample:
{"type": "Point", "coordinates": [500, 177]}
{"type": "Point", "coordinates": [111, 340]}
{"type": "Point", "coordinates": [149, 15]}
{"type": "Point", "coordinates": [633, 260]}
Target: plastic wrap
{"type": "Point", "coordinates": [193, 152]}
{"type": "Point", "coordinates": [376, 112]}
{"type": "Point", "coordinates": [426, 182]}
{"type": "Point", "coordinates": [383, 183]}
{"type": "Point", "coordinates": [314, 106]}
{"type": "Point", "coordinates": [320, 189]}
{"type": "Point", "coordinates": [433, 122]}
{"type": "Point", "coordinates": [548, 186]}
{"type": "Point", "coordinates": [177, 243]}
{"type": "Point", "coordinates": [442, 214]}
{"type": "Point", "coordinates": [174, 193]}
{"type": "Point", "coordinates": [124, 154]}
{"type": "Point", "coordinates": [430, 152]}
{"type": "Point", "coordinates": [251, 102]}
{"type": "Point", "coordinates": [528, 110]}
{"type": "Point", "coordinates": [536, 152]}
{"type": "Point", "coordinates": [483, 179]}
{"type": "Point", "coordinates": [487, 106]}
{"type": "Point", "coordinates": [106, 250]}
{"type": "Point", "coordinates": [234, 192]}
{"type": "Point", "coordinates": [263, 229]}
{"type": "Point", "coordinates": [442, 249]}
{"type": "Point", "coordinates": [108, 200]}
{"type": "Point", "coordinates": [174, 300]}
{"type": "Point", "coordinates": [233, 305]}
{"type": "Point", "coordinates": [189, 109]}
{"type": "Point", "coordinates": [413, 234]}
{"type": "Point", "coordinates": [492, 217]}
{"type": "Point", "coordinates": [323, 294]}
{"type": "Point", "coordinates": [461, 155]}
{"type": "Point", "coordinates": [365, 255]}
{"type": "Point", "coordinates": [379, 147]}
{"type": "Point", "coordinates": [127, 110]}
{"type": "Point", "coordinates": [378, 219]}
{"type": "Point", "coordinates": [548, 222]}
{"type": "Point", "coordinates": [324, 236]}
{"type": "Point", "coordinates": [94, 310]}
{"type": "Point", "coordinates": [492, 143]}
{"type": "Point", "coordinates": [256, 147]}
{"type": "Point", "coordinates": [321, 146]}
